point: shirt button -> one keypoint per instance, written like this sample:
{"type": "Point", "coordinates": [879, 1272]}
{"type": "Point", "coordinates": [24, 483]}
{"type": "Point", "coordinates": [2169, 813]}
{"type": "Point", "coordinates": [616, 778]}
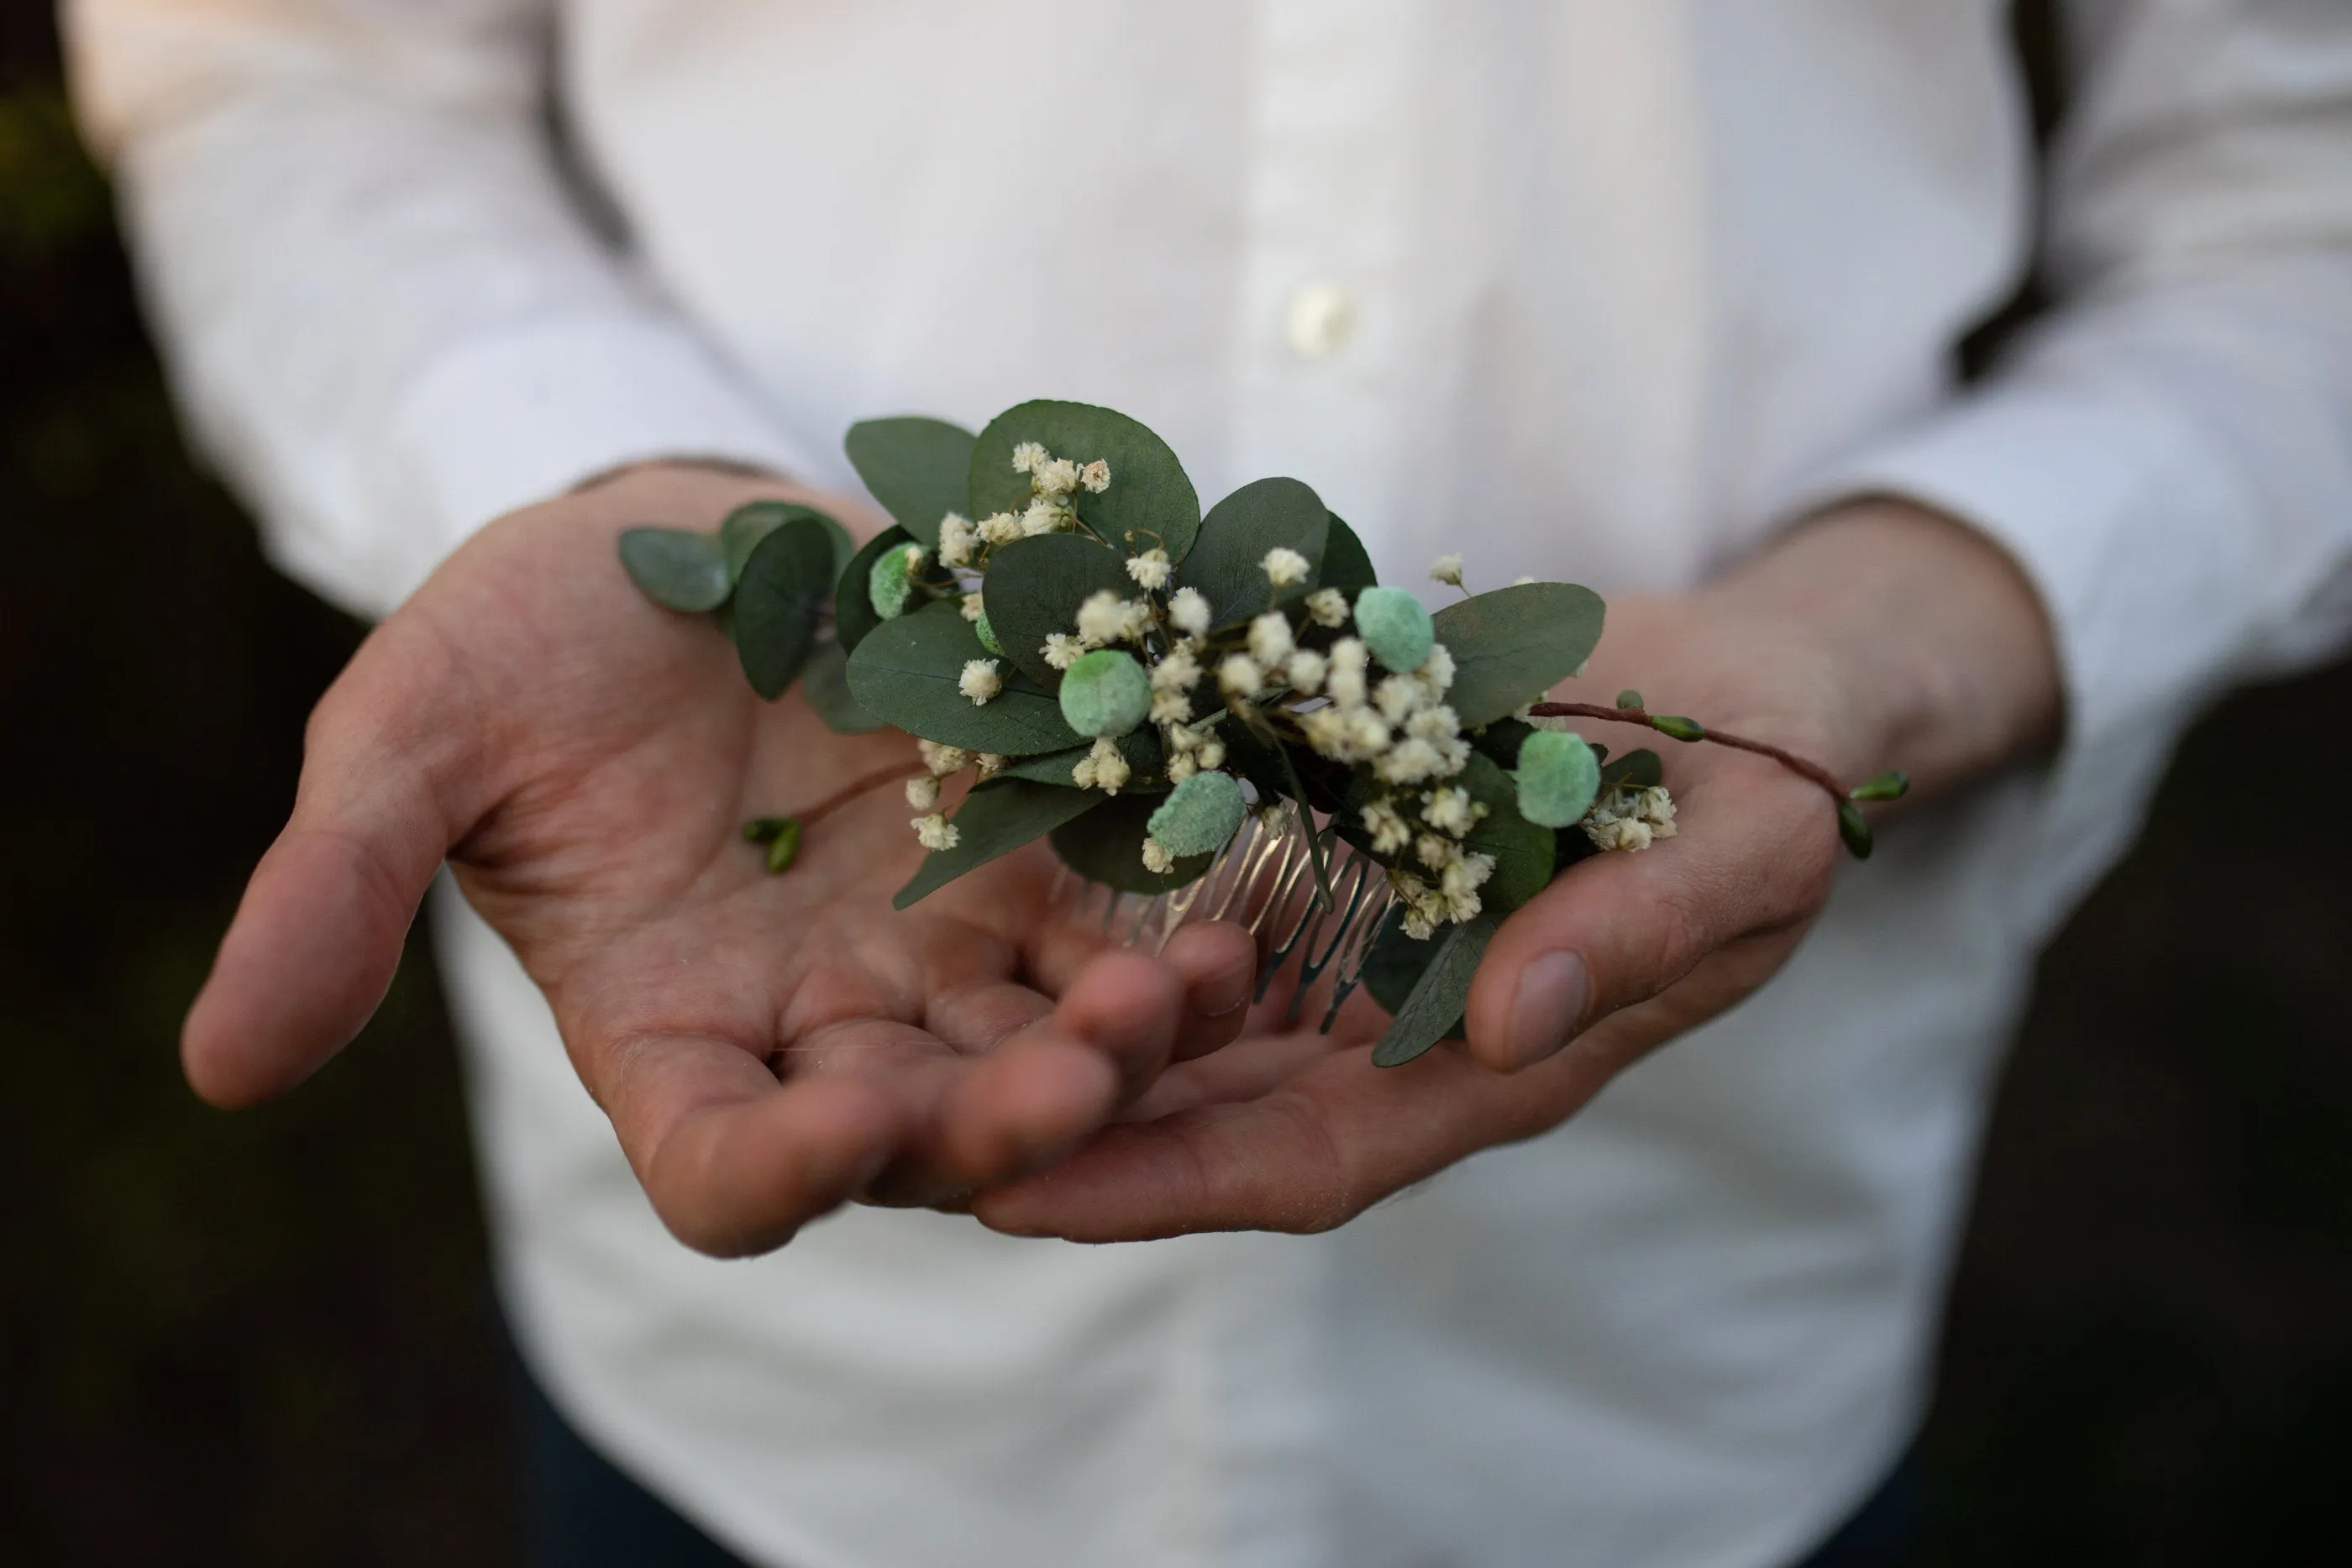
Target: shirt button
{"type": "Point", "coordinates": [1319, 319]}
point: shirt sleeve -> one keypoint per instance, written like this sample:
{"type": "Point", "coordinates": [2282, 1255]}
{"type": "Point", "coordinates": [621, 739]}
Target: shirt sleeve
{"type": "Point", "coordinates": [387, 316]}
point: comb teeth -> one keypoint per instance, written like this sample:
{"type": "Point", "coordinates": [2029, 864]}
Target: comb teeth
{"type": "Point", "coordinates": [1263, 880]}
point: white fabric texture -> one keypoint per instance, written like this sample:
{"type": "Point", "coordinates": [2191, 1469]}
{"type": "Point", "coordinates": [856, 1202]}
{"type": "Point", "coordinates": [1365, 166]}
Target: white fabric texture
{"type": "Point", "coordinates": [1588, 289]}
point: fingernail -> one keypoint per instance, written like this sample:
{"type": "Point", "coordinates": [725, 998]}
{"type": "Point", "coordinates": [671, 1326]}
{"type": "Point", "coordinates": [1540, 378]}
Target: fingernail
{"type": "Point", "coordinates": [1550, 1003]}
{"type": "Point", "coordinates": [1221, 993]}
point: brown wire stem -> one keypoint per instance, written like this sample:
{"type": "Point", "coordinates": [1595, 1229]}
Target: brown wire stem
{"type": "Point", "coordinates": [856, 787]}
{"type": "Point", "coordinates": [1787, 759]}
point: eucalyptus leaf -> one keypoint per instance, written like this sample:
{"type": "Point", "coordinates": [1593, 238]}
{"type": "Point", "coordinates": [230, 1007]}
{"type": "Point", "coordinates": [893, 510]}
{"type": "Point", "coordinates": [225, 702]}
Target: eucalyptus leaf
{"type": "Point", "coordinates": [1034, 586]}
{"type": "Point", "coordinates": [1150, 502]}
{"type": "Point", "coordinates": [748, 524]}
{"type": "Point", "coordinates": [918, 468]}
{"type": "Point", "coordinates": [676, 568]}
{"type": "Point", "coordinates": [1394, 965]}
{"type": "Point", "coordinates": [853, 610]}
{"type": "Point", "coordinates": [906, 673]}
{"type": "Point", "coordinates": [996, 818]}
{"type": "Point", "coordinates": [1433, 1010]}
{"type": "Point", "coordinates": [1635, 770]}
{"type": "Point", "coordinates": [1523, 852]}
{"type": "Point", "coordinates": [1347, 564]}
{"type": "Point", "coordinates": [1106, 845]}
{"type": "Point", "coordinates": [1227, 562]}
{"type": "Point", "coordinates": [1501, 740]}
{"type": "Point", "coordinates": [1140, 748]}
{"type": "Point", "coordinates": [824, 681]}
{"type": "Point", "coordinates": [1513, 644]}
{"type": "Point", "coordinates": [779, 602]}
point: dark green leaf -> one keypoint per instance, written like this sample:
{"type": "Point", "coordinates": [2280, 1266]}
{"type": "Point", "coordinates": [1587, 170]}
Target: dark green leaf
{"type": "Point", "coordinates": [996, 818]}
{"type": "Point", "coordinates": [824, 681]}
{"type": "Point", "coordinates": [1395, 964]}
{"type": "Point", "coordinates": [1515, 643]}
{"type": "Point", "coordinates": [1106, 845]}
{"type": "Point", "coordinates": [1150, 502]}
{"type": "Point", "coordinates": [1035, 586]}
{"type": "Point", "coordinates": [1853, 830]}
{"type": "Point", "coordinates": [778, 604]}
{"type": "Point", "coordinates": [746, 525]}
{"type": "Point", "coordinates": [1501, 740]}
{"type": "Point", "coordinates": [1434, 1008]}
{"type": "Point", "coordinates": [853, 610]}
{"type": "Point", "coordinates": [1523, 852]}
{"type": "Point", "coordinates": [906, 673]}
{"type": "Point", "coordinates": [920, 469]}
{"type": "Point", "coordinates": [676, 568]}
{"type": "Point", "coordinates": [1347, 564]}
{"type": "Point", "coordinates": [1140, 748]}
{"type": "Point", "coordinates": [1635, 771]}
{"type": "Point", "coordinates": [1227, 560]}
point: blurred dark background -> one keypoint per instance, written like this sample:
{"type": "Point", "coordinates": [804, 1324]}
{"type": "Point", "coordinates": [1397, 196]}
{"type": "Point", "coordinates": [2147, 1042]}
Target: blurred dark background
{"type": "Point", "coordinates": [267, 1339]}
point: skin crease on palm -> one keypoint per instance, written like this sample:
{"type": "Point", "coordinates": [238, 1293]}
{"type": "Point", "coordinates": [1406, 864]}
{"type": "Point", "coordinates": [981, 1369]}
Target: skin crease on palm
{"type": "Point", "coordinates": [769, 1047]}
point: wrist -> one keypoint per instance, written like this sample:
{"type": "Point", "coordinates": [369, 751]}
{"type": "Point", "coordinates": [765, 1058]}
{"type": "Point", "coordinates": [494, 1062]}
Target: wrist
{"type": "Point", "coordinates": [1944, 654]}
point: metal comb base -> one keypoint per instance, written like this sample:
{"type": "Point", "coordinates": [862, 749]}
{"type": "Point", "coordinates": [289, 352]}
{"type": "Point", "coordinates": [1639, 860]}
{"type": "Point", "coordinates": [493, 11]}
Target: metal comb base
{"type": "Point", "coordinates": [1263, 880]}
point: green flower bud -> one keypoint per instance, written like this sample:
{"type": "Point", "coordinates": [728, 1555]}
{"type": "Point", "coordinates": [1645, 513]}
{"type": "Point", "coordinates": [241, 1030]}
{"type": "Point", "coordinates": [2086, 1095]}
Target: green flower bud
{"type": "Point", "coordinates": [891, 583]}
{"type": "Point", "coordinates": [1395, 628]}
{"type": "Point", "coordinates": [1853, 830]}
{"type": "Point", "coordinates": [1675, 728]}
{"type": "Point", "coordinates": [1889, 785]}
{"type": "Point", "coordinates": [1558, 777]}
{"type": "Point", "coordinates": [1106, 692]}
{"type": "Point", "coordinates": [1200, 816]}
{"type": "Point", "coordinates": [988, 635]}
{"type": "Point", "coordinates": [1629, 697]}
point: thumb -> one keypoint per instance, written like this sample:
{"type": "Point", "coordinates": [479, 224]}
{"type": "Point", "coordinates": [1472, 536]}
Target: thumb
{"type": "Point", "coordinates": [387, 762]}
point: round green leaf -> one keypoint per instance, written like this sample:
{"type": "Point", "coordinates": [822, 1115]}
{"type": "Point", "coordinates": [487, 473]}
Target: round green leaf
{"type": "Point", "coordinates": [1227, 562]}
{"type": "Point", "coordinates": [1347, 564]}
{"type": "Point", "coordinates": [824, 681]}
{"type": "Point", "coordinates": [1035, 586]}
{"type": "Point", "coordinates": [676, 568]}
{"type": "Point", "coordinates": [779, 601]}
{"type": "Point", "coordinates": [1395, 627]}
{"type": "Point", "coordinates": [906, 673]}
{"type": "Point", "coordinates": [1511, 645]}
{"type": "Point", "coordinates": [1105, 693]}
{"type": "Point", "coordinates": [1434, 1009]}
{"type": "Point", "coordinates": [1558, 777]}
{"type": "Point", "coordinates": [1106, 845]}
{"type": "Point", "coordinates": [1150, 502]}
{"type": "Point", "coordinates": [920, 469]}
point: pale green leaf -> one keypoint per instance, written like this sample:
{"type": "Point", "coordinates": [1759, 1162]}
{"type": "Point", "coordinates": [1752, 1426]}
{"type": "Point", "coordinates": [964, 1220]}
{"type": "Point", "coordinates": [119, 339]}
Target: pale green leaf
{"type": "Point", "coordinates": [1512, 646]}
{"type": "Point", "coordinates": [676, 568]}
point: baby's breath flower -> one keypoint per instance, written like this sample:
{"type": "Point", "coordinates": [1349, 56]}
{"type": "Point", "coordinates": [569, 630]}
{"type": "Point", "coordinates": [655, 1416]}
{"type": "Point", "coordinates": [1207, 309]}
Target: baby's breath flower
{"type": "Point", "coordinates": [1345, 681]}
{"type": "Point", "coordinates": [923, 793]}
{"type": "Point", "coordinates": [1419, 927]}
{"type": "Point", "coordinates": [1102, 619]}
{"type": "Point", "coordinates": [1451, 810]}
{"type": "Point", "coordinates": [1171, 706]}
{"type": "Point", "coordinates": [1329, 606]}
{"type": "Point", "coordinates": [936, 832]}
{"type": "Point", "coordinates": [1284, 567]}
{"type": "Point", "coordinates": [1178, 671]}
{"type": "Point", "coordinates": [1212, 753]}
{"type": "Point", "coordinates": [1446, 568]}
{"type": "Point", "coordinates": [1467, 872]}
{"type": "Point", "coordinates": [971, 607]}
{"type": "Point", "coordinates": [1305, 671]}
{"type": "Point", "coordinates": [1026, 456]}
{"type": "Point", "coordinates": [1239, 676]}
{"type": "Point", "coordinates": [1433, 852]}
{"type": "Point", "coordinates": [1617, 832]}
{"type": "Point", "coordinates": [1399, 697]}
{"type": "Point", "coordinates": [1408, 762]}
{"type": "Point", "coordinates": [1390, 831]}
{"type": "Point", "coordinates": [1180, 769]}
{"type": "Point", "coordinates": [999, 528]}
{"type": "Point", "coordinates": [1096, 476]}
{"type": "Point", "coordinates": [979, 680]}
{"type": "Point", "coordinates": [1462, 906]}
{"type": "Point", "coordinates": [1135, 619]}
{"type": "Point", "coordinates": [1439, 723]}
{"type": "Point", "coordinates": [956, 538]}
{"type": "Point", "coordinates": [1269, 639]}
{"type": "Point", "coordinates": [943, 760]}
{"type": "Point", "coordinates": [987, 765]}
{"type": "Point", "coordinates": [1436, 671]}
{"type": "Point", "coordinates": [1189, 612]}
{"type": "Point", "coordinates": [1151, 570]}
{"type": "Point", "coordinates": [1055, 477]}
{"type": "Point", "coordinates": [1367, 733]}
{"type": "Point", "coordinates": [1522, 580]}
{"type": "Point", "coordinates": [1062, 650]}
{"type": "Point", "coordinates": [1043, 517]}
{"type": "Point", "coordinates": [1110, 770]}
{"type": "Point", "coordinates": [1156, 858]}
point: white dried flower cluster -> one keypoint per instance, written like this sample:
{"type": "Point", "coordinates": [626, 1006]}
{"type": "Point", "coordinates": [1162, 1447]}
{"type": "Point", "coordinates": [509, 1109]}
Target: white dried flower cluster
{"type": "Point", "coordinates": [923, 792]}
{"type": "Point", "coordinates": [1052, 482]}
{"type": "Point", "coordinates": [1629, 818]}
{"type": "Point", "coordinates": [1188, 612]}
{"type": "Point", "coordinates": [958, 539]}
{"type": "Point", "coordinates": [1402, 728]}
{"type": "Point", "coordinates": [1150, 571]}
{"type": "Point", "coordinates": [1446, 568]}
{"type": "Point", "coordinates": [1104, 768]}
{"type": "Point", "coordinates": [1445, 889]}
{"type": "Point", "coordinates": [971, 607]}
{"type": "Point", "coordinates": [1284, 567]}
{"type": "Point", "coordinates": [943, 760]}
{"type": "Point", "coordinates": [979, 680]}
{"type": "Point", "coordinates": [1269, 639]}
{"type": "Point", "coordinates": [936, 832]}
{"type": "Point", "coordinates": [1156, 858]}
{"type": "Point", "coordinates": [1105, 618]}
{"type": "Point", "coordinates": [1190, 748]}
{"type": "Point", "coordinates": [1328, 607]}
{"type": "Point", "coordinates": [1173, 680]}
{"type": "Point", "coordinates": [1062, 650]}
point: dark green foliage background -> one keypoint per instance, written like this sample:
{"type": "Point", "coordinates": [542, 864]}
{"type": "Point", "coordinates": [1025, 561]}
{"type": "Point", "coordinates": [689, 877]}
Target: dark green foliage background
{"type": "Point", "coordinates": [267, 1339]}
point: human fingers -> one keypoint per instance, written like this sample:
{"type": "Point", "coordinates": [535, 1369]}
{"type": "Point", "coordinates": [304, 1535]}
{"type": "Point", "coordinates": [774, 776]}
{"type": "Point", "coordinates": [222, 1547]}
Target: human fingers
{"type": "Point", "coordinates": [1216, 960]}
{"type": "Point", "coordinates": [390, 781]}
{"type": "Point", "coordinates": [1756, 853]}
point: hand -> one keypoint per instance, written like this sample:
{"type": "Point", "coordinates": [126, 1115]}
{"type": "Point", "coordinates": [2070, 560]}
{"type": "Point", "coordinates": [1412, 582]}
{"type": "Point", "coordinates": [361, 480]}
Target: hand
{"type": "Point", "coordinates": [585, 761]}
{"type": "Point", "coordinates": [1878, 636]}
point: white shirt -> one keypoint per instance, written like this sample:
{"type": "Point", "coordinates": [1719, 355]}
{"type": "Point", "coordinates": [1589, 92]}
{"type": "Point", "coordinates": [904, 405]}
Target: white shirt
{"type": "Point", "coordinates": [1597, 290]}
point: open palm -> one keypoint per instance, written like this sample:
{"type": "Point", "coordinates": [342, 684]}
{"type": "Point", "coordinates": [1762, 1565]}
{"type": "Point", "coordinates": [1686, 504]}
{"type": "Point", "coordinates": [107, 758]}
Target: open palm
{"type": "Point", "coordinates": [767, 1047]}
